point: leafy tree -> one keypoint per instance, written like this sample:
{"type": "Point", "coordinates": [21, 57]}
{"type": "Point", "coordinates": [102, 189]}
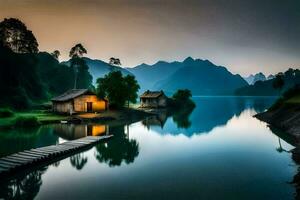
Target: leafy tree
{"type": "Point", "coordinates": [114, 61]}
{"type": "Point", "coordinates": [55, 54]}
{"type": "Point", "coordinates": [117, 89]}
{"type": "Point", "coordinates": [278, 82]}
{"type": "Point", "coordinates": [182, 95]}
{"type": "Point", "coordinates": [15, 36]}
{"type": "Point", "coordinates": [79, 66]}
{"type": "Point", "coordinates": [132, 87]}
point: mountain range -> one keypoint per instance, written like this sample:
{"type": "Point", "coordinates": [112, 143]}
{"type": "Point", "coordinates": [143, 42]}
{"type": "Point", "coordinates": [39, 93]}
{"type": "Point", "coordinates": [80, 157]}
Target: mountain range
{"type": "Point", "coordinates": [252, 79]}
{"type": "Point", "coordinates": [99, 68]}
{"type": "Point", "coordinates": [202, 77]}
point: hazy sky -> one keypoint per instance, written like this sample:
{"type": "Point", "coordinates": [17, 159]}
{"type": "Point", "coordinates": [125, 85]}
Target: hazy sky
{"type": "Point", "coordinates": [246, 36]}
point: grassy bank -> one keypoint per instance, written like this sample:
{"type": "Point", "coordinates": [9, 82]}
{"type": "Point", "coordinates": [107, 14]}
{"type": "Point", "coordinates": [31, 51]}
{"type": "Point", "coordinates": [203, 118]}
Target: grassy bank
{"type": "Point", "coordinates": [284, 114]}
{"type": "Point", "coordinates": [41, 116]}
{"type": "Point", "coordinates": [36, 117]}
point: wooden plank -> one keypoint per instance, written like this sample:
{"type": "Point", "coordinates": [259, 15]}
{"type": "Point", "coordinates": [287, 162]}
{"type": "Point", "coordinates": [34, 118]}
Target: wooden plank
{"type": "Point", "coordinates": [15, 158]}
{"type": "Point", "coordinates": [33, 156]}
{"type": "Point", "coordinates": [23, 157]}
{"type": "Point", "coordinates": [37, 153]}
{"type": "Point", "coordinates": [8, 165]}
{"type": "Point", "coordinates": [17, 161]}
{"type": "Point", "coordinates": [4, 165]}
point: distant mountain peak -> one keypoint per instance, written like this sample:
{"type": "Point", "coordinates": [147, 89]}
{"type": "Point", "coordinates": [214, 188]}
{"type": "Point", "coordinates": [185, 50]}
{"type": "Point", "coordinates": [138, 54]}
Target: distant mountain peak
{"type": "Point", "coordinates": [188, 59]}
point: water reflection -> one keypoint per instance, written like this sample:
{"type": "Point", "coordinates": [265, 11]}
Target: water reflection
{"type": "Point", "coordinates": [23, 187]}
{"type": "Point", "coordinates": [76, 131]}
{"type": "Point", "coordinates": [78, 161]}
{"type": "Point", "coordinates": [209, 114]}
{"type": "Point", "coordinates": [119, 149]}
{"type": "Point", "coordinates": [15, 140]}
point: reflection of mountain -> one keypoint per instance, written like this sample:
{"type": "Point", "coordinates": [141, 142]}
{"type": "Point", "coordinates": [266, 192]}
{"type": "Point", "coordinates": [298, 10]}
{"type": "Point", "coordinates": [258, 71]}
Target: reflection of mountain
{"type": "Point", "coordinates": [117, 150]}
{"type": "Point", "coordinates": [211, 112]}
{"type": "Point", "coordinates": [23, 187]}
{"type": "Point", "coordinates": [15, 140]}
{"type": "Point", "coordinates": [75, 131]}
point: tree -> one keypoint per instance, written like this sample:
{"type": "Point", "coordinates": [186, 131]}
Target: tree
{"type": "Point", "coordinates": [15, 36]}
{"type": "Point", "coordinates": [132, 87]}
{"type": "Point", "coordinates": [77, 51]}
{"type": "Point", "coordinates": [278, 82]}
{"type": "Point", "coordinates": [114, 61]}
{"type": "Point", "coordinates": [117, 89]}
{"type": "Point", "coordinates": [182, 95]}
{"type": "Point", "coordinates": [55, 54]}
{"type": "Point", "coordinates": [79, 66]}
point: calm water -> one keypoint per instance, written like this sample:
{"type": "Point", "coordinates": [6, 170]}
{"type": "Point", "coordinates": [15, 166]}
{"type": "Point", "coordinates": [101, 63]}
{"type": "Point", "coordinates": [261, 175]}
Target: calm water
{"type": "Point", "coordinates": [219, 151]}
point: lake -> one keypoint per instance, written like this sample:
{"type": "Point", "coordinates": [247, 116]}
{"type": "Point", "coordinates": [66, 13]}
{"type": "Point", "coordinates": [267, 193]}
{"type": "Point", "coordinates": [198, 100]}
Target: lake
{"type": "Point", "coordinates": [218, 151]}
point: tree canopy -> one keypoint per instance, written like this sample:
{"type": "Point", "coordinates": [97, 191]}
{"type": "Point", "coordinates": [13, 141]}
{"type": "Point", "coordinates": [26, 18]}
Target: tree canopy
{"type": "Point", "coordinates": [55, 54]}
{"type": "Point", "coordinates": [82, 77]}
{"type": "Point", "coordinates": [278, 81]}
{"type": "Point", "coordinates": [118, 89]}
{"type": "Point", "coordinates": [114, 61]}
{"type": "Point", "coordinates": [15, 36]}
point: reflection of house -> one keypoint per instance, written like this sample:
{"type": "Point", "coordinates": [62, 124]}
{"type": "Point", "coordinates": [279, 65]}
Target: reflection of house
{"type": "Point", "coordinates": [78, 100]}
{"type": "Point", "coordinates": [75, 131]}
{"type": "Point", "coordinates": [156, 120]}
{"type": "Point", "coordinates": [153, 99]}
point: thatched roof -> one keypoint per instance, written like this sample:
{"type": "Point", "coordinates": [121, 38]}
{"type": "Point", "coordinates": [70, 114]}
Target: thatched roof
{"type": "Point", "coordinates": [71, 94]}
{"type": "Point", "coordinates": [152, 94]}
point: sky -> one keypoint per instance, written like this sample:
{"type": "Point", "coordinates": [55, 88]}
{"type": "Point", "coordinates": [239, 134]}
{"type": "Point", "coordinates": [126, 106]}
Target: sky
{"type": "Point", "coordinates": [244, 36]}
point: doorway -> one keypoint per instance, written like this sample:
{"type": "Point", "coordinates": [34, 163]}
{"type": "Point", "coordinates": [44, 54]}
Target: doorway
{"type": "Point", "coordinates": [89, 106]}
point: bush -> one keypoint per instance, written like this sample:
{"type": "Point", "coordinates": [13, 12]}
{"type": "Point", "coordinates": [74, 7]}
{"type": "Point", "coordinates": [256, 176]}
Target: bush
{"type": "Point", "coordinates": [26, 122]}
{"type": "Point", "coordinates": [285, 96]}
{"type": "Point", "coordinates": [5, 112]}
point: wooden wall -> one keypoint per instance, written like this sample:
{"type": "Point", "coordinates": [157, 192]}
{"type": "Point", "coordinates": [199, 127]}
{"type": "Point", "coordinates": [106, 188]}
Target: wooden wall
{"type": "Point", "coordinates": [81, 106]}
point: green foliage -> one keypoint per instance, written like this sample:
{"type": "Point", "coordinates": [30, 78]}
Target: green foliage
{"type": "Point", "coordinates": [15, 36]}
{"type": "Point", "coordinates": [290, 93]}
{"type": "Point", "coordinates": [181, 98]}
{"type": "Point", "coordinates": [26, 121]}
{"type": "Point", "coordinates": [117, 89]}
{"type": "Point", "coordinates": [82, 77]}
{"type": "Point", "coordinates": [77, 51]}
{"type": "Point", "coordinates": [273, 87]}
{"type": "Point", "coordinates": [132, 87]}
{"type": "Point", "coordinates": [5, 112]}
{"type": "Point", "coordinates": [114, 61]}
{"type": "Point", "coordinates": [278, 82]}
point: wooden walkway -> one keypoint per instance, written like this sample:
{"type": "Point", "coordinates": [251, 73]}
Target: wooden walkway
{"type": "Point", "coordinates": [44, 155]}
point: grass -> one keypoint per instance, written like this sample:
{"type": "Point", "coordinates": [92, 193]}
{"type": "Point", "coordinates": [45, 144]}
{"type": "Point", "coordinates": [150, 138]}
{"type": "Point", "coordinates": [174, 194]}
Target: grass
{"type": "Point", "coordinates": [294, 100]}
{"type": "Point", "coordinates": [5, 112]}
{"type": "Point", "coordinates": [39, 115]}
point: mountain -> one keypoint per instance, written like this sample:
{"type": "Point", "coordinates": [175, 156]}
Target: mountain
{"type": "Point", "coordinates": [99, 68]}
{"type": "Point", "coordinates": [254, 78]}
{"type": "Point", "coordinates": [148, 75]}
{"type": "Point", "coordinates": [265, 88]}
{"type": "Point", "coordinates": [201, 77]}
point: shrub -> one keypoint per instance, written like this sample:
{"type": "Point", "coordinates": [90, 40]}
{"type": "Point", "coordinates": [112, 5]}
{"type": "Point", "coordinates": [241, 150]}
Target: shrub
{"type": "Point", "coordinates": [5, 112]}
{"type": "Point", "coordinates": [285, 96]}
{"type": "Point", "coordinates": [26, 122]}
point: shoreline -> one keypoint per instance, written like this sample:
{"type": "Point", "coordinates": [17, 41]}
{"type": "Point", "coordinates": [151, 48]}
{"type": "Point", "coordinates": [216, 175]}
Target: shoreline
{"type": "Point", "coordinates": [125, 115]}
{"type": "Point", "coordinates": [286, 118]}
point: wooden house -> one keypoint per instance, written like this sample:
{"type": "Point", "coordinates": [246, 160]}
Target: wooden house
{"type": "Point", "coordinates": [153, 99]}
{"type": "Point", "coordinates": [78, 101]}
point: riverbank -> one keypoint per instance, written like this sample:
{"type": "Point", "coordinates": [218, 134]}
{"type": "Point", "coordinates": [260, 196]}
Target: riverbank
{"type": "Point", "coordinates": [285, 118]}
{"type": "Point", "coordinates": [45, 117]}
